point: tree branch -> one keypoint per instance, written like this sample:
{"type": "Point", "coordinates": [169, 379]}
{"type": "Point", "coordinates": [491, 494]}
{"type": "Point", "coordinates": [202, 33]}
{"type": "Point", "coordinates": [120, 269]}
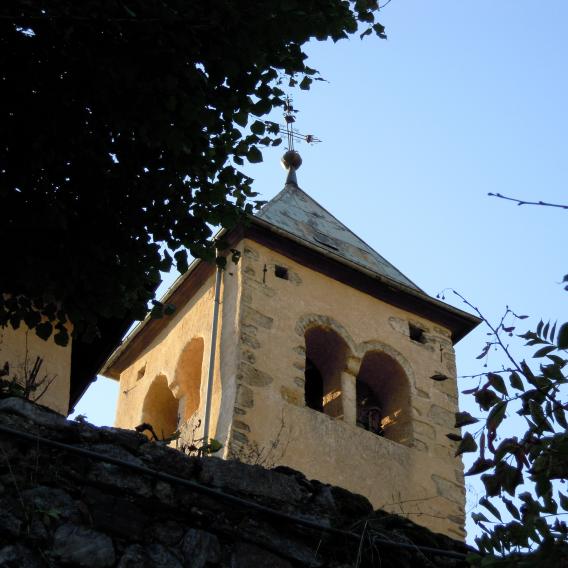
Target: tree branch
{"type": "Point", "coordinates": [522, 202]}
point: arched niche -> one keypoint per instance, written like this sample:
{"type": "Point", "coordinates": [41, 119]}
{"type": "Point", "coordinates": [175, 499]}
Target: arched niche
{"type": "Point", "coordinates": [160, 408]}
{"type": "Point", "coordinates": [326, 356]}
{"type": "Point", "coordinates": [383, 397]}
{"type": "Point", "coordinates": [188, 377]}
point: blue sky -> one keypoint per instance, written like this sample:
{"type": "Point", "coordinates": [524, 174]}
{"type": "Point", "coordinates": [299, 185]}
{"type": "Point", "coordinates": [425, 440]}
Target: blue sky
{"type": "Point", "coordinates": [463, 99]}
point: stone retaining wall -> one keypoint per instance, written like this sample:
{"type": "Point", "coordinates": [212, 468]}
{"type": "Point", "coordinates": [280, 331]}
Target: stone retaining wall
{"type": "Point", "coordinates": [61, 509]}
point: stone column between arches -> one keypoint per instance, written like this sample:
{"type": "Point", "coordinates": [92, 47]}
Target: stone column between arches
{"type": "Point", "coordinates": [349, 390]}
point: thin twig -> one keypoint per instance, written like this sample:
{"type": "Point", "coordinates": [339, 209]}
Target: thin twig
{"type": "Point", "coordinates": [523, 202]}
{"type": "Point", "coordinates": [495, 331]}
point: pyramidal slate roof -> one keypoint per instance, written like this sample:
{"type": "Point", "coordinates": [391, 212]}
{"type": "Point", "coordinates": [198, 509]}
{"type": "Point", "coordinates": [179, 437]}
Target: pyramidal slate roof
{"type": "Point", "coordinates": [295, 212]}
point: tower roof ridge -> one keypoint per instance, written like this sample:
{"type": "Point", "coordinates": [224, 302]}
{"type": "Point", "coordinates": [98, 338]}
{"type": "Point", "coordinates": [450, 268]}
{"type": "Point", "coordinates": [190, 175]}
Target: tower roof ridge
{"type": "Point", "coordinates": [296, 212]}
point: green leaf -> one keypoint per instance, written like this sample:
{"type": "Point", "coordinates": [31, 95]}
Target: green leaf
{"type": "Point", "coordinates": [507, 446]}
{"type": "Point", "coordinates": [157, 311]}
{"type": "Point", "coordinates": [474, 559]}
{"type": "Point", "coordinates": [261, 107]}
{"type": "Point", "coordinates": [61, 338]}
{"type": "Point", "coordinates": [479, 466]}
{"type": "Point", "coordinates": [516, 381]}
{"type": "Point", "coordinates": [511, 477]}
{"type": "Point", "coordinates": [454, 437]}
{"type": "Point", "coordinates": [241, 118]}
{"type": "Point", "coordinates": [464, 419]}
{"type": "Point", "coordinates": [490, 507]}
{"type": "Point", "coordinates": [542, 486]}
{"type": "Point", "coordinates": [544, 351]}
{"type": "Point", "coordinates": [496, 416]}
{"type": "Point", "coordinates": [497, 382]}
{"type": "Point", "coordinates": [380, 30]}
{"type": "Point", "coordinates": [169, 309]}
{"type": "Point", "coordinates": [537, 413]}
{"type": "Point", "coordinates": [486, 398]}
{"type": "Point", "coordinates": [258, 127]}
{"type": "Point", "coordinates": [560, 415]}
{"type": "Point", "coordinates": [305, 83]}
{"type": "Point", "coordinates": [254, 155]}
{"type": "Point", "coordinates": [562, 339]}
{"type": "Point", "coordinates": [44, 330]}
{"type": "Point", "coordinates": [479, 518]}
{"type": "Point", "coordinates": [511, 508]}
{"type": "Point", "coordinates": [214, 445]}
{"type": "Point", "coordinates": [545, 330]}
{"type": "Point", "coordinates": [181, 261]}
{"type": "Point", "coordinates": [468, 444]}
{"type": "Point", "coordinates": [563, 501]}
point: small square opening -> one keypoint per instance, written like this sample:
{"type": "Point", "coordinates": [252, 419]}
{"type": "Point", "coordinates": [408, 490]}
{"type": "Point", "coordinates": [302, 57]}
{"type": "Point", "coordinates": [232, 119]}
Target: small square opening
{"type": "Point", "coordinates": [416, 333]}
{"type": "Point", "coordinates": [281, 272]}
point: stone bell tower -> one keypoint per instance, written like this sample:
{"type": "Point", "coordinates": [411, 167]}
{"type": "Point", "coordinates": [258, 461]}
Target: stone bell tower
{"type": "Point", "coordinates": [313, 352]}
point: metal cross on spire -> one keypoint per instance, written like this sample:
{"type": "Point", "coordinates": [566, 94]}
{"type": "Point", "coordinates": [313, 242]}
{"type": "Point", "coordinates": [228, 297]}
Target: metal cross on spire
{"type": "Point", "coordinates": [292, 159]}
{"type": "Point", "coordinates": [292, 134]}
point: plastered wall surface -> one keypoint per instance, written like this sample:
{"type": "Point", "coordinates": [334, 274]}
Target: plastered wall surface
{"type": "Point", "coordinates": [419, 477]}
{"type": "Point", "coordinates": [258, 403]}
{"type": "Point", "coordinates": [162, 356]}
{"type": "Point", "coordinates": [20, 348]}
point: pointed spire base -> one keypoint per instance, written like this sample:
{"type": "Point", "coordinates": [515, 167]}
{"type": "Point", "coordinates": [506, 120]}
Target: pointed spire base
{"type": "Point", "coordinates": [291, 177]}
{"type": "Point", "coordinates": [291, 161]}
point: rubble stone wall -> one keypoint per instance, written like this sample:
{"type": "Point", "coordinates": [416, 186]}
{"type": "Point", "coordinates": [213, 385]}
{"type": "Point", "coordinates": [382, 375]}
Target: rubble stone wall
{"type": "Point", "coordinates": [58, 508]}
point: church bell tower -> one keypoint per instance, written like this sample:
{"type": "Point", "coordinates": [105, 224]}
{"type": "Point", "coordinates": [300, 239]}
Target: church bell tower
{"type": "Point", "coordinates": [313, 352]}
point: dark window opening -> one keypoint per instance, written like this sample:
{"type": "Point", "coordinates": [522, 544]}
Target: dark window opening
{"type": "Point", "coordinates": [416, 333]}
{"type": "Point", "coordinates": [314, 387]}
{"type": "Point", "coordinates": [369, 410]}
{"type": "Point", "coordinates": [281, 272]}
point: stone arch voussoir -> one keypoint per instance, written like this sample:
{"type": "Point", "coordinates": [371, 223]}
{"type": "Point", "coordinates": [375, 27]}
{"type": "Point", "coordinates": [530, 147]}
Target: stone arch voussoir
{"type": "Point", "coordinates": [309, 321]}
{"type": "Point", "coordinates": [374, 345]}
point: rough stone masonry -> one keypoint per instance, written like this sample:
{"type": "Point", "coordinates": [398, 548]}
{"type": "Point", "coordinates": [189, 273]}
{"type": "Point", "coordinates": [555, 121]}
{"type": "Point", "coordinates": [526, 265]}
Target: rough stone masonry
{"type": "Point", "coordinates": [58, 508]}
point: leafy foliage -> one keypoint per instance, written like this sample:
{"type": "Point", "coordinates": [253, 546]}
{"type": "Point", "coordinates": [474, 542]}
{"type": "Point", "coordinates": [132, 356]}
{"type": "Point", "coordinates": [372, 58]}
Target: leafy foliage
{"type": "Point", "coordinates": [124, 124]}
{"type": "Point", "coordinates": [534, 390]}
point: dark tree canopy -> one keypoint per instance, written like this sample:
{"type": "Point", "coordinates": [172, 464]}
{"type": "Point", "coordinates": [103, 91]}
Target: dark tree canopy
{"type": "Point", "coordinates": [124, 123]}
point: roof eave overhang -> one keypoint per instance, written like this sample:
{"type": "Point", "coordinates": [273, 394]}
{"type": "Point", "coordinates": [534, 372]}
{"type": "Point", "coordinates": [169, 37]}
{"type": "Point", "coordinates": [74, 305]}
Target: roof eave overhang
{"type": "Point", "coordinates": [459, 322]}
{"type": "Point", "coordinates": [177, 293]}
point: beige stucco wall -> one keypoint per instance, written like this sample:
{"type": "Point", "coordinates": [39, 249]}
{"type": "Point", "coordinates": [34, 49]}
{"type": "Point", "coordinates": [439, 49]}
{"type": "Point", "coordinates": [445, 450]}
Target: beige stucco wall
{"type": "Point", "coordinates": [272, 425]}
{"type": "Point", "coordinates": [21, 347]}
{"type": "Point", "coordinates": [161, 358]}
{"type": "Point", "coordinates": [258, 409]}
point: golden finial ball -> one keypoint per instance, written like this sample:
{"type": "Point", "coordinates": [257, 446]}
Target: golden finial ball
{"type": "Point", "coordinates": [291, 159]}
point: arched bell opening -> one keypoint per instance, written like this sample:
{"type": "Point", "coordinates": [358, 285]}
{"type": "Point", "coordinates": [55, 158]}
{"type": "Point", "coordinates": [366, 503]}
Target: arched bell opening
{"type": "Point", "coordinates": [326, 354]}
{"type": "Point", "coordinates": [383, 398]}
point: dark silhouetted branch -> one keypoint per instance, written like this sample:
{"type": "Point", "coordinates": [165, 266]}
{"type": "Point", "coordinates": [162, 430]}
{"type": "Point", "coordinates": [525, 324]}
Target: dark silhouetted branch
{"type": "Point", "coordinates": [522, 202]}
